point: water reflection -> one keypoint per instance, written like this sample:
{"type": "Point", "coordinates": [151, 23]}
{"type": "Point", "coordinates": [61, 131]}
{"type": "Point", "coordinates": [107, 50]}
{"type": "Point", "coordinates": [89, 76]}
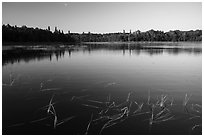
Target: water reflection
{"type": "Point", "coordinates": [26, 54]}
{"type": "Point", "coordinates": [76, 79]}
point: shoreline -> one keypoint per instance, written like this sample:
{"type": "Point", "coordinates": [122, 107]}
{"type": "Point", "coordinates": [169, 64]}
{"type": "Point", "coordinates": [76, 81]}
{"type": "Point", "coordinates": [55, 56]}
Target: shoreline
{"type": "Point", "coordinates": [92, 43]}
{"type": "Point", "coordinates": [36, 43]}
{"type": "Point", "coordinates": [143, 42]}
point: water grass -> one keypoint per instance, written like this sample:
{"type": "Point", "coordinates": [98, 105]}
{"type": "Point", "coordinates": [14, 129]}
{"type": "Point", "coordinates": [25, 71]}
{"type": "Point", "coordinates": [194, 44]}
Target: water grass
{"type": "Point", "coordinates": [186, 99]}
{"type": "Point", "coordinates": [95, 101]}
{"type": "Point", "coordinates": [41, 119]}
{"type": "Point", "coordinates": [129, 108]}
{"type": "Point", "coordinates": [166, 119]}
{"type": "Point", "coordinates": [101, 119]}
{"type": "Point", "coordinates": [126, 102]}
{"type": "Point", "coordinates": [163, 100]}
{"type": "Point", "coordinates": [172, 101]}
{"type": "Point", "coordinates": [107, 108]}
{"type": "Point", "coordinates": [50, 89]}
{"type": "Point", "coordinates": [16, 125]}
{"type": "Point", "coordinates": [195, 108]}
{"type": "Point", "coordinates": [88, 126]}
{"type": "Point", "coordinates": [91, 106]}
{"type": "Point", "coordinates": [46, 107]}
{"type": "Point", "coordinates": [55, 121]}
{"type": "Point", "coordinates": [193, 117]}
{"type": "Point", "coordinates": [52, 113]}
{"type": "Point", "coordinates": [159, 112]}
{"type": "Point", "coordinates": [78, 97]}
{"type": "Point", "coordinates": [128, 97]}
{"type": "Point", "coordinates": [157, 117]}
{"type": "Point", "coordinates": [139, 107]}
{"type": "Point", "coordinates": [51, 110]}
{"type": "Point", "coordinates": [148, 98]}
{"type": "Point", "coordinates": [111, 114]}
{"type": "Point", "coordinates": [141, 113]}
{"type": "Point", "coordinates": [50, 105]}
{"type": "Point", "coordinates": [115, 120]}
{"type": "Point", "coordinates": [195, 126]}
{"type": "Point", "coordinates": [65, 120]}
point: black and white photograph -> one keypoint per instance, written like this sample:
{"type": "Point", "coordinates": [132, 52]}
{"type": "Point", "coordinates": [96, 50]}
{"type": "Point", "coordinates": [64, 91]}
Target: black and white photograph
{"type": "Point", "coordinates": [101, 68]}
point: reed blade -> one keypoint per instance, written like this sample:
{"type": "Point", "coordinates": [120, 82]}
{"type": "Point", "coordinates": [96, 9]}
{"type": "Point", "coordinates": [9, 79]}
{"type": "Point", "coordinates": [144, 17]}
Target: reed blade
{"type": "Point", "coordinates": [50, 89]}
{"type": "Point", "coordinates": [65, 120]}
{"type": "Point", "coordinates": [167, 119]}
{"type": "Point", "coordinates": [55, 121]}
{"type": "Point", "coordinates": [148, 98]}
{"type": "Point", "coordinates": [41, 119]}
{"type": "Point", "coordinates": [95, 101]}
{"type": "Point", "coordinates": [195, 126]}
{"type": "Point", "coordinates": [91, 106]}
{"type": "Point", "coordinates": [194, 117]}
{"type": "Point", "coordinates": [186, 99]}
{"type": "Point", "coordinates": [128, 97]}
{"type": "Point", "coordinates": [87, 129]}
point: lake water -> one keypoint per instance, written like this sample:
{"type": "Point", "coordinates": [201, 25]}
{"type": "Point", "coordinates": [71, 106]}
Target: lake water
{"type": "Point", "coordinates": [85, 84]}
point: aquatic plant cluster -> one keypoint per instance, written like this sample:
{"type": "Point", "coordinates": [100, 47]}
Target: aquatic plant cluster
{"type": "Point", "coordinates": [26, 34]}
{"type": "Point", "coordinates": [106, 116]}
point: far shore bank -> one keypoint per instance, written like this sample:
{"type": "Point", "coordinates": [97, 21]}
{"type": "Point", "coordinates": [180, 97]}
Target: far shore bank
{"type": "Point", "coordinates": [98, 43]}
{"type": "Point", "coordinates": [35, 43]}
{"type": "Point", "coordinates": [142, 42]}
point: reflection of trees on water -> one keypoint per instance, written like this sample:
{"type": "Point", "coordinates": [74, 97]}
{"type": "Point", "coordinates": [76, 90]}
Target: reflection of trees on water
{"type": "Point", "coordinates": [59, 54]}
{"type": "Point", "coordinates": [27, 54]}
{"type": "Point", "coordinates": [151, 50]}
{"type": "Point", "coordinates": [22, 54]}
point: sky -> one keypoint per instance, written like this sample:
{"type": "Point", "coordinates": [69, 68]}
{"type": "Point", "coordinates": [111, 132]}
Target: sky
{"type": "Point", "coordinates": [104, 17]}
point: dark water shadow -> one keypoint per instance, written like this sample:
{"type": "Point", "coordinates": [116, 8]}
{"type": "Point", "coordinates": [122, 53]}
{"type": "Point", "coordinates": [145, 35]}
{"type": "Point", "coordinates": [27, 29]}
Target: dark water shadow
{"type": "Point", "coordinates": [27, 54]}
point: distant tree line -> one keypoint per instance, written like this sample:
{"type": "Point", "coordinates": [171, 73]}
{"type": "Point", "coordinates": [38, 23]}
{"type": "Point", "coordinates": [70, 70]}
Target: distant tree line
{"type": "Point", "coordinates": [150, 35]}
{"type": "Point", "coordinates": [25, 34]}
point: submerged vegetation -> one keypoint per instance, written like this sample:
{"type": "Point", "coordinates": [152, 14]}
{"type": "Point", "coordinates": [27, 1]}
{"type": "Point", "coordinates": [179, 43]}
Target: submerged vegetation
{"type": "Point", "coordinates": [108, 116]}
{"type": "Point", "coordinates": [25, 34]}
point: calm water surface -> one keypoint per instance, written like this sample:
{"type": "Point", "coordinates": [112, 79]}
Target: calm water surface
{"type": "Point", "coordinates": [80, 78]}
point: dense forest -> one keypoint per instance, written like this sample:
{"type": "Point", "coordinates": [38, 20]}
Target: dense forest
{"type": "Point", "coordinates": [26, 34]}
